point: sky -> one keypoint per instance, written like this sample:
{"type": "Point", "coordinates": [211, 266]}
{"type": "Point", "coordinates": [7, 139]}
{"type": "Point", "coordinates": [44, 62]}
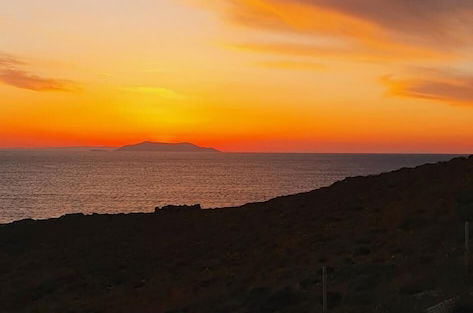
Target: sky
{"type": "Point", "coordinates": [356, 76]}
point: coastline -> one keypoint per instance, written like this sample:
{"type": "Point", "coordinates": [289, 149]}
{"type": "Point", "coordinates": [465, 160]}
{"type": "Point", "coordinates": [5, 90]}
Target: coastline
{"type": "Point", "coordinates": [383, 237]}
{"type": "Point", "coordinates": [88, 208]}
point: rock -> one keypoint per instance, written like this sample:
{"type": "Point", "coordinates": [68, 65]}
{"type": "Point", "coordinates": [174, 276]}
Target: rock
{"type": "Point", "coordinates": [177, 208]}
{"type": "Point", "coordinates": [72, 215]}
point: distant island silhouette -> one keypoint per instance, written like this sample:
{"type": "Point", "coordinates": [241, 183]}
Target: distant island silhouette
{"type": "Point", "coordinates": [166, 147]}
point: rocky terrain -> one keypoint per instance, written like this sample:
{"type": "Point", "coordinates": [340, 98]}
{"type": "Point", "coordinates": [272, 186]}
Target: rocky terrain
{"type": "Point", "coordinates": [391, 243]}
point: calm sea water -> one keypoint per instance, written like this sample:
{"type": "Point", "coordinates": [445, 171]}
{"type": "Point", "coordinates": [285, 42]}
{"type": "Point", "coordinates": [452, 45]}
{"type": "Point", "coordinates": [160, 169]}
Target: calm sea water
{"type": "Point", "coordinates": [43, 184]}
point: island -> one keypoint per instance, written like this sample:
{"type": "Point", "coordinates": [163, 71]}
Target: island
{"type": "Point", "coordinates": [166, 147]}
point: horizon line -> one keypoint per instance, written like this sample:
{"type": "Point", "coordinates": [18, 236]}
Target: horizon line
{"type": "Point", "coordinates": [248, 151]}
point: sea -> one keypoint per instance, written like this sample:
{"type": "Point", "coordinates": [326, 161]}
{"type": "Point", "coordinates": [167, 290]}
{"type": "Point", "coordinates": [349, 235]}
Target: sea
{"type": "Point", "coordinates": [42, 184]}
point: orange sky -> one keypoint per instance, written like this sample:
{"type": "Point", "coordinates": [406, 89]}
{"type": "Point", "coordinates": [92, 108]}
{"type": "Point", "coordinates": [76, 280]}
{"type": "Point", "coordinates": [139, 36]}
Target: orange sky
{"type": "Point", "coordinates": [239, 75]}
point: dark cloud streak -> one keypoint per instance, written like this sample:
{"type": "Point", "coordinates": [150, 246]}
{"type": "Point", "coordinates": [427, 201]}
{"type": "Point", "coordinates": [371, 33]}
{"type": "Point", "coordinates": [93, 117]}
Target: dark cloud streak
{"type": "Point", "coordinates": [440, 23]}
{"type": "Point", "coordinates": [11, 74]}
{"type": "Point", "coordinates": [436, 19]}
{"type": "Point", "coordinates": [448, 87]}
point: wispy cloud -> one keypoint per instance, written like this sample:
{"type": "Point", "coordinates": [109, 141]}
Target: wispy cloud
{"type": "Point", "coordinates": [400, 33]}
{"type": "Point", "coordinates": [450, 87]}
{"type": "Point", "coordinates": [435, 21]}
{"type": "Point", "coordinates": [12, 74]}
{"type": "Point", "coordinates": [385, 28]}
{"type": "Point", "coordinates": [8, 61]}
{"type": "Point", "coordinates": [394, 53]}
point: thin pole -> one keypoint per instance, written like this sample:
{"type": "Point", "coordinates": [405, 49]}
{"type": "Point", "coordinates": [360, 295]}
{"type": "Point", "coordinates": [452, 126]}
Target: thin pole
{"type": "Point", "coordinates": [467, 237]}
{"type": "Point", "coordinates": [324, 288]}
{"type": "Point", "coordinates": [467, 246]}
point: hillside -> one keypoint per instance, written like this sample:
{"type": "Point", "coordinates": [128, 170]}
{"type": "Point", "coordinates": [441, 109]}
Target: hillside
{"type": "Point", "coordinates": [166, 147]}
{"type": "Point", "coordinates": [392, 243]}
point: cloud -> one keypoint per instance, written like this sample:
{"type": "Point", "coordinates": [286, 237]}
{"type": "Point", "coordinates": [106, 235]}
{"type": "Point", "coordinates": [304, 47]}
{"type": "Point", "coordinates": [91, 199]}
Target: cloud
{"type": "Point", "coordinates": [394, 53]}
{"type": "Point", "coordinates": [8, 61]}
{"type": "Point", "coordinates": [444, 86]}
{"type": "Point", "coordinates": [385, 26]}
{"type": "Point", "coordinates": [402, 33]}
{"type": "Point", "coordinates": [439, 20]}
{"type": "Point", "coordinates": [24, 80]}
{"type": "Point", "coordinates": [11, 74]}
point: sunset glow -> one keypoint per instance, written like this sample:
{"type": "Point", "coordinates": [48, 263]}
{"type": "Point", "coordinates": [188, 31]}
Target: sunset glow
{"type": "Point", "coordinates": [239, 75]}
